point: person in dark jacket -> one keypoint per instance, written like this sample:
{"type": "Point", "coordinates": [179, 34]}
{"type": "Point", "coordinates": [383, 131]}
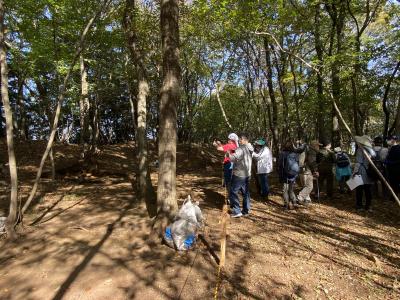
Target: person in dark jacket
{"type": "Point", "coordinates": [361, 168]}
{"type": "Point", "coordinates": [326, 159]}
{"type": "Point", "coordinates": [288, 169]}
{"type": "Point", "coordinates": [393, 164]}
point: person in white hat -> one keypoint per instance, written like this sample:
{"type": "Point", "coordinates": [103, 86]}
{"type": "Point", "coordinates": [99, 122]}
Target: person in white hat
{"type": "Point", "coordinates": [228, 148]}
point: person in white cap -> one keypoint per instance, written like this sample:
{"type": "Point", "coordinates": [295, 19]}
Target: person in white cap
{"type": "Point", "coordinates": [228, 148]}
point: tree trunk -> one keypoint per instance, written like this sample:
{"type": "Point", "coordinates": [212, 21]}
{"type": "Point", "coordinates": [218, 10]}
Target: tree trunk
{"type": "Point", "coordinates": [60, 101]}
{"type": "Point", "coordinates": [397, 121]}
{"type": "Point", "coordinates": [146, 191]}
{"type": "Point", "coordinates": [338, 18]}
{"type": "Point", "coordinates": [84, 107]}
{"type": "Point", "coordinates": [12, 215]}
{"type": "Point", "coordinates": [170, 93]}
{"type": "Point", "coordinates": [385, 99]}
{"type": "Point", "coordinates": [320, 83]}
{"type": "Point", "coordinates": [21, 107]}
{"type": "Point", "coordinates": [274, 105]}
{"type": "Point", "coordinates": [94, 139]}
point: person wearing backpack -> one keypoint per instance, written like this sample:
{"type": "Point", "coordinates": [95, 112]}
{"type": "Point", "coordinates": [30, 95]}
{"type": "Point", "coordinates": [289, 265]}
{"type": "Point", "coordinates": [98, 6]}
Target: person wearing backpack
{"type": "Point", "coordinates": [362, 167]}
{"type": "Point", "coordinates": [308, 170]}
{"type": "Point", "coordinates": [379, 161]}
{"type": "Point", "coordinates": [393, 164]}
{"type": "Point", "coordinates": [262, 155]}
{"type": "Point", "coordinates": [288, 168]}
{"type": "Point", "coordinates": [343, 168]}
{"type": "Point", "coordinates": [326, 159]}
{"type": "Point", "coordinates": [242, 159]}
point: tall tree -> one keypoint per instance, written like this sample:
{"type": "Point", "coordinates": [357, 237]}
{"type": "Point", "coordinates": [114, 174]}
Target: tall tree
{"type": "Point", "coordinates": [146, 191]}
{"type": "Point", "coordinates": [170, 93]}
{"type": "Point", "coordinates": [12, 215]}
{"type": "Point", "coordinates": [84, 107]}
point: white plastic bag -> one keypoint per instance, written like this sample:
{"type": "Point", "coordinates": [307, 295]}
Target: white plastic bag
{"type": "Point", "coordinates": [184, 229]}
{"type": "Point", "coordinates": [187, 211]}
{"type": "Point", "coordinates": [355, 181]}
{"type": "Point", "coordinates": [181, 230]}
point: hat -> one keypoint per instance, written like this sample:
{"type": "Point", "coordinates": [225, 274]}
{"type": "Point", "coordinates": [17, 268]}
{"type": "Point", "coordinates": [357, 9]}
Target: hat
{"type": "Point", "coordinates": [325, 142]}
{"type": "Point", "coordinates": [315, 143]}
{"type": "Point", "coordinates": [234, 137]}
{"type": "Point", "coordinates": [337, 149]}
{"type": "Point", "coordinates": [259, 142]}
{"type": "Point", "coordinates": [363, 140]}
{"type": "Point", "coordinates": [394, 137]}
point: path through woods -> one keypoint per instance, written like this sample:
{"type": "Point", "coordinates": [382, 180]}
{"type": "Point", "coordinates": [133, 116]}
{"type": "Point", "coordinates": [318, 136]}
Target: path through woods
{"type": "Point", "coordinates": [82, 240]}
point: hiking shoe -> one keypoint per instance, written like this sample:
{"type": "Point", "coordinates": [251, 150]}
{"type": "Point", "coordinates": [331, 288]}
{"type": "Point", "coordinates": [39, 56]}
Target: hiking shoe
{"type": "Point", "coordinates": [238, 215]}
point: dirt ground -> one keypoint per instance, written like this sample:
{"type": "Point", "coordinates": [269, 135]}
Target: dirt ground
{"type": "Point", "coordinates": [86, 238]}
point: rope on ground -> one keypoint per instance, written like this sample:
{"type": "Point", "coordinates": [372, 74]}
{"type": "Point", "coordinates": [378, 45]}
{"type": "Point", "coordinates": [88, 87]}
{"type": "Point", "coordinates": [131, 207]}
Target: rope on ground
{"type": "Point", "coordinates": [190, 270]}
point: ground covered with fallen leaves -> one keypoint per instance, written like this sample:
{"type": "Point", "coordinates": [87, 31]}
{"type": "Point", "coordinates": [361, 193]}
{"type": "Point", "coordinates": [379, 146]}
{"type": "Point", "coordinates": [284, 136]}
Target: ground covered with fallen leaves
{"type": "Point", "coordinates": [85, 237]}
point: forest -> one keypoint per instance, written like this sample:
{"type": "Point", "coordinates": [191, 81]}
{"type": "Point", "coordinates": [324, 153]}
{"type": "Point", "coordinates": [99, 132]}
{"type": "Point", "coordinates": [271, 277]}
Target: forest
{"type": "Point", "coordinates": [109, 110]}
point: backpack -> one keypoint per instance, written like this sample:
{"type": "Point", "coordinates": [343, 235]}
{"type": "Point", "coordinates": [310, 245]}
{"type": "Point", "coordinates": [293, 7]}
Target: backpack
{"type": "Point", "coordinates": [291, 165]}
{"type": "Point", "coordinates": [302, 157]}
{"type": "Point", "coordinates": [342, 160]}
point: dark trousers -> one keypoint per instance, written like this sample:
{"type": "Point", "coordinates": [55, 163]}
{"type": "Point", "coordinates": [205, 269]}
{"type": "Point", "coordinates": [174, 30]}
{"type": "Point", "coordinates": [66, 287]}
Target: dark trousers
{"type": "Point", "coordinates": [326, 177]}
{"type": "Point", "coordinates": [228, 167]}
{"type": "Point", "coordinates": [394, 178]}
{"type": "Point", "coordinates": [342, 183]}
{"type": "Point", "coordinates": [264, 187]}
{"type": "Point", "coordinates": [360, 190]}
{"type": "Point", "coordinates": [239, 184]}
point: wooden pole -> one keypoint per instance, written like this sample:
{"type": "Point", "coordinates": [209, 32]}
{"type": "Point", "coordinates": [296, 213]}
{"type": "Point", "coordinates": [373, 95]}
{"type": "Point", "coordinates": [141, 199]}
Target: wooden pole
{"type": "Point", "coordinates": [217, 89]}
{"type": "Point", "coordinates": [224, 221]}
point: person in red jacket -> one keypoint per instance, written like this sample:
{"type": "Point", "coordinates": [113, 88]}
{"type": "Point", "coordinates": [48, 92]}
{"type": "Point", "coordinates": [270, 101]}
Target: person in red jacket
{"type": "Point", "coordinates": [228, 148]}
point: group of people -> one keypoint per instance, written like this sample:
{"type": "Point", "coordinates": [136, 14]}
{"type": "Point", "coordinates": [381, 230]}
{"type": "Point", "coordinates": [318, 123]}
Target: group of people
{"type": "Point", "coordinates": [313, 162]}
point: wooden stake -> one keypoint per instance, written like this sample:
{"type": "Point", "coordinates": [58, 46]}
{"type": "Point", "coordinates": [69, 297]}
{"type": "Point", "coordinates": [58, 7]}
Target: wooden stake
{"type": "Point", "coordinates": [224, 220]}
{"type": "Point", "coordinates": [222, 108]}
